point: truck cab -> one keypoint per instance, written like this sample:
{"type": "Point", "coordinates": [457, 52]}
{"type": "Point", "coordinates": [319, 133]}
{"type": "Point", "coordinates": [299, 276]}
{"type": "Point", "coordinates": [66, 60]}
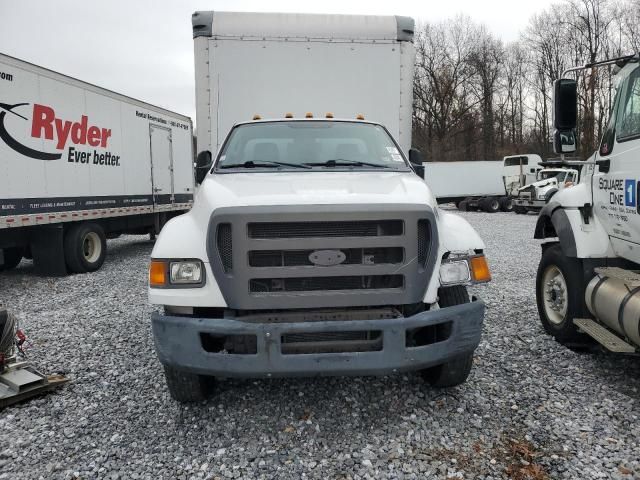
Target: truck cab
{"type": "Point", "coordinates": [587, 281]}
{"type": "Point", "coordinates": [313, 248]}
{"type": "Point", "coordinates": [549, 181]}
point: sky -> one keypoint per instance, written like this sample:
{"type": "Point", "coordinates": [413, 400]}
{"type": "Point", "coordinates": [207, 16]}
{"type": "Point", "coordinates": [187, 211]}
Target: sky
{"type": "Point", "coordinates": [144, 48]}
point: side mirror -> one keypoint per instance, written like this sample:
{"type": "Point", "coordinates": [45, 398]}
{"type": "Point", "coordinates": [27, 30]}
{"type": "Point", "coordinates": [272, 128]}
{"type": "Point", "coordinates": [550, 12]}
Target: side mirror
{"type": "Point", "coordinates": [203, 164]}
{"type": "Point", "coordinates": [565, 104]}
{"type": "Point", "coordinates": [564, 141]}
{"type": "Point", "coordinates": [415, 158]}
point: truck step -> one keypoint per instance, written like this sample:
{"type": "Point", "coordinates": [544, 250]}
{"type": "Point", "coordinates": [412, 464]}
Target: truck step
{"type": "Point", "coordinates": [630, 277]}
{"type": "Point", "coordinates": [603, 336]}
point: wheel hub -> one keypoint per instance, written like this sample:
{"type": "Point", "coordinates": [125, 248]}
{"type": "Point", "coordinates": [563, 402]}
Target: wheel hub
{"type": "Point", "coordinates": [556, 293]}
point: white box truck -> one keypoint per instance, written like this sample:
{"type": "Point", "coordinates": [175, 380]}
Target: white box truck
{"type": "Point", "coordinates": [312, 247]}
{"type": "Point", "coordinates": [487, 185]}
{"type": "Point", "coordinates": [79, 164]}
{"type": "Point", "coordinates": [588, 285]}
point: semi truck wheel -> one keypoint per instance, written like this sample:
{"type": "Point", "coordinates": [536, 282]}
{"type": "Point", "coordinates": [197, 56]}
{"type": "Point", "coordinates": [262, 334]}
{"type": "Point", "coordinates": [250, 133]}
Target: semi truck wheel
{"type": "Point", "coordinates": [506, 204]}
{"type": "Point", "coordinates": [559, 295]}
{"type": "Point", "coordinates": [519, 210]}
{"type": "Point", "coordinates": [85, 247]}
{"type": "Point", "coordinates": [186, 387]}
{"type": "Point", "coordinates": [490, 204]}
{"type": "Point", "coordinates": [12, 258]}
{"type": "Point", "coordinates": [463, 206]}
{"type": "Point", "coordinates": [454, 372]}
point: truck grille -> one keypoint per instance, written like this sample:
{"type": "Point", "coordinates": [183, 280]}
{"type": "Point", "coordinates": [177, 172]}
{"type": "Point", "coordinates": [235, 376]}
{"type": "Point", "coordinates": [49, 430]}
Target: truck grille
{"type": "Point", "coordinates": [274, 257]}
{"type": "Point", "coordinates": [370, 228]}
{"type": "Point", "coordinates": [354, 256]}
{"type": "Point", "coordinates": [310, 284]}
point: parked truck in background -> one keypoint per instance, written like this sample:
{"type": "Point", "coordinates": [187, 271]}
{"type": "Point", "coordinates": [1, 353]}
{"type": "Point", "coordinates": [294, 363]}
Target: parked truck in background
{"type": "Point", "coordinates": [481, 185]}
{"type": "Point", "coordinates": [312, 248]}
{"type": "Point", "coordinates": [80, 164]}
{"type": "Point", "coordinates": [587, 286]}
{"type": "Point", "coordinates": [549, 181]}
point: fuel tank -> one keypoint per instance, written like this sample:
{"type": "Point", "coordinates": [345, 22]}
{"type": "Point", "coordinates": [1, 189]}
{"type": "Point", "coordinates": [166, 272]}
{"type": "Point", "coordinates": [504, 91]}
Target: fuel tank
{"type": "Point", "coordinates": [616, 304]}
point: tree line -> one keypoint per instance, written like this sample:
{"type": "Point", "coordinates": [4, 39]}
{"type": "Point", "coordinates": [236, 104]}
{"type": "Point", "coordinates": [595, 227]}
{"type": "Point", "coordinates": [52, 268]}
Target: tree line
{"type": "Point", "coordinates": [479, 98]}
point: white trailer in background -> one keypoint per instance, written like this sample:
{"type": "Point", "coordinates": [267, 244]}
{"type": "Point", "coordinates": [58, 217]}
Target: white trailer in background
{"type": "Point", "coordinates": [481, 185]}
{"type": "Point", "coordinates": [79, 164]}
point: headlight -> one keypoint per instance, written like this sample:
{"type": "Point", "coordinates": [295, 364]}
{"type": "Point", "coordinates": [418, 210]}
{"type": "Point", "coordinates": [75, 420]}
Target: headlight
{"type": "Point", "coordinates": [186, 272]}
{"type": "Point", "coordinates": [461, 270]}
{"type": "Point", "coordinates": [454, 272]}
{"type": "Point", "coordinates": [168, 273]}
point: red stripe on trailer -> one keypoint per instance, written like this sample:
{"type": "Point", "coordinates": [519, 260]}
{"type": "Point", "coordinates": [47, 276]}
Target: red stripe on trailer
{"type": "Point", "coordinates": [10, 220]}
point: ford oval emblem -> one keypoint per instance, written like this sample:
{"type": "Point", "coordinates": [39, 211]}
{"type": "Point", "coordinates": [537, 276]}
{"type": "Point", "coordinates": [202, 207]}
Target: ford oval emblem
{"type": "Point", "coordinates": [327, 258]}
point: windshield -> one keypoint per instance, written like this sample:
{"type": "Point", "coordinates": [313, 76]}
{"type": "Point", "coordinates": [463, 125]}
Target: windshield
{"type": "Point", "coordinates": [553, 174]}
{"type": "Point", "coordinates": [310, 145]}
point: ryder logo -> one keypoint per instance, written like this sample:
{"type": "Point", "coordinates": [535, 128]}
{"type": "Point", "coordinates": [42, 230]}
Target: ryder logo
{"type": "Point", "coordinates": [45, 124]}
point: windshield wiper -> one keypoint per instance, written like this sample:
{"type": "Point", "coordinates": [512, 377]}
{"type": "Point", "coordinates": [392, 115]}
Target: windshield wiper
{"type": "Point", "coordinates": [263, 164]}
{"type": "Point", "coordinates": [342, 162]}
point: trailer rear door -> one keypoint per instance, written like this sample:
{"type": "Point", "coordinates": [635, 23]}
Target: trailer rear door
{"type": "Point", "coordinates": [161, 164]}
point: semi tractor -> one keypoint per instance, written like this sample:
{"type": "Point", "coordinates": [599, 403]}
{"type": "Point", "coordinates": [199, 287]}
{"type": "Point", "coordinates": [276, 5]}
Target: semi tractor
{"type": "Point", "coordinates": [554, 177]}
{"type": "Point", "coordinates": [80, 164]}
{"type": "Point", "coordinates": [587, 285]}
{"type": "Point", "coordinates": [313, 247]}
{"type": "Point", "coordinates": [481, 185]}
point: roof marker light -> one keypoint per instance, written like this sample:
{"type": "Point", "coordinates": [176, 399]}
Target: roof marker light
{"type": "Point", "coordinates": [308, 115]}
{"type": "Point", "coordinates": [288, 115]}
{"type": "Point", "coordinates": [360, 117]}
{"type": "Point", "coordinates": [329, 115]}
{"type": "Point", "coordinates": [257, 117]}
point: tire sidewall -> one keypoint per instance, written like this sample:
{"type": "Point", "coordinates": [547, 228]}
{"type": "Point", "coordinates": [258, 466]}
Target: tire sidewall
{"type": "Point", "coordinates": [571, 269]}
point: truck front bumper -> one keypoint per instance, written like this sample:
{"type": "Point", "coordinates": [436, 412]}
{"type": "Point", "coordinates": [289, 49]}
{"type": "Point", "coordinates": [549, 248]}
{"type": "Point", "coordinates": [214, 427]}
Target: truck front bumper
{"type": "Point", "coordinates": [179, 344]}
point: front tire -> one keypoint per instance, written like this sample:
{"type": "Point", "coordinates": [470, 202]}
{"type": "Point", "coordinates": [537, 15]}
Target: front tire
{"type": "Point", "coordinates": [186, 387]}
{"type": "Point", "coordinates": [12, 258]}
{"type": "Point", "coordinates": [519, 210]}
{"type": "Point", "coordinates": [85, 247]}
{"type": "Point", "coordinates": [456, 371]}
{"type": "Point", "coordinates": [560, 295]}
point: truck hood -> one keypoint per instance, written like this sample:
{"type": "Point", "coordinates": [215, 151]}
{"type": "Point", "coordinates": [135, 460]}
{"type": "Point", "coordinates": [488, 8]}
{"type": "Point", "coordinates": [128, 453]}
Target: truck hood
{"type": "Point", "coordinates": [305, 188]}
{"type": "Point", "coordinates": [540, 184]}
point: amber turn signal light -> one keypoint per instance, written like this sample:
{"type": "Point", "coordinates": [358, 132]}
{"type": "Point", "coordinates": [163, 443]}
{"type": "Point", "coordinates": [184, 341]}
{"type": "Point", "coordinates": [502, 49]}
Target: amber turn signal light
{"type": "Point", "coordinates": [480, 269]}
{"type": "Point", "coordinates": [158, 273]}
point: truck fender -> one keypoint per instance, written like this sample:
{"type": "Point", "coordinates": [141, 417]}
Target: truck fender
{"type": "Point", "coordinates": [457, 235]}
{"type": "Point", "coordinates": [553, 222]}
{"type": "Point", "coordinates": [577, 238]}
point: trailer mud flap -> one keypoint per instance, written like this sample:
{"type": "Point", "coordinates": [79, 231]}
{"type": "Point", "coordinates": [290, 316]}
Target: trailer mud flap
{"type": "Point", "coordinates": [47, 248]}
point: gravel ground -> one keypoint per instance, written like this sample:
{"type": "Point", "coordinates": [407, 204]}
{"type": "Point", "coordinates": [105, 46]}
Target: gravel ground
{"type": "Point", "coordinates": [531, 408]}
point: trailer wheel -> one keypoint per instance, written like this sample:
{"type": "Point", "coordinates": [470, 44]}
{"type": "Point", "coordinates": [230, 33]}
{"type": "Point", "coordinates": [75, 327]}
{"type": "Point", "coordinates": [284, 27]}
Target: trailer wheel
{"type": "Point", "coordinates": [186, 387]}
{"type": "Point", "coordinates": [559, 295]}
{"type": "Point", "coordinates": [456, 371]}
{"type": "Point", "coordinates": [506, 204]}
{"type": "Point", "coordinates": [12, 258]}
{"type": "Point", "coordinates": [85, 247]}
{"type": "Point", "coordinates": [490, 204]}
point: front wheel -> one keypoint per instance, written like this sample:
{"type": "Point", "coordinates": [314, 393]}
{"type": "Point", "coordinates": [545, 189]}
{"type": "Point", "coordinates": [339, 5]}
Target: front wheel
{"type": "Point", "coordinates": [456, 371]}
{"type": "Point", "coordinates": [186, 387]}
{"type": "Point", "coordinates": [559, 295]}
{"type": "Point", "coordinates": [519, 210]}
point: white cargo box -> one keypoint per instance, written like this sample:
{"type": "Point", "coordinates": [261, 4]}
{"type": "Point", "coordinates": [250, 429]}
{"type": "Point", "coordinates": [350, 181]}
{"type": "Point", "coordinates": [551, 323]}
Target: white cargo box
{"type": "Point", "coordinates": [271, 64]}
